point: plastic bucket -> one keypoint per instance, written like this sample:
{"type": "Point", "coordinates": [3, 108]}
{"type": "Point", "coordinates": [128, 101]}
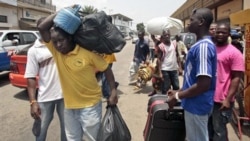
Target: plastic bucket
{"type": "Point", "coordinates": [68, 19]}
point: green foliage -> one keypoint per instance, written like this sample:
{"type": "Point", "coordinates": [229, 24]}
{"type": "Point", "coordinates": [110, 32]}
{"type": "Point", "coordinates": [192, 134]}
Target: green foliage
{"type": "Point", "coordinates": [89, 9]}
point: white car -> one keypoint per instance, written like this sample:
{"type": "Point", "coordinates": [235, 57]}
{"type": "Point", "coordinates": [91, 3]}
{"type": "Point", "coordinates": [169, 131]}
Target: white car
{"type": "Point", "coordinates": [14, 40]}
{"type": "Point", "coordinates": [134, 38]}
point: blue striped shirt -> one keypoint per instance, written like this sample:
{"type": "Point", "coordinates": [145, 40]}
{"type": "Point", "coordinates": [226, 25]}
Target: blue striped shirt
{"type": "Point", "coordinates": [201, 61]}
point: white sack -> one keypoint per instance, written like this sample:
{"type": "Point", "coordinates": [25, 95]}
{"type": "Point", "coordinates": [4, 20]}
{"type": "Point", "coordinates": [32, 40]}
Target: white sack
{"type": "Point", "coordinates": [157, 25]}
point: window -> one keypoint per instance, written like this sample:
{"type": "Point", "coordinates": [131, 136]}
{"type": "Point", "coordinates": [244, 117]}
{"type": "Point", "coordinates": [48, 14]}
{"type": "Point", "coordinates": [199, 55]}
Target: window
{"type": "Point", "coordinates": [3, 19]}
{"type": "Point", "coordinates": [28, 38]}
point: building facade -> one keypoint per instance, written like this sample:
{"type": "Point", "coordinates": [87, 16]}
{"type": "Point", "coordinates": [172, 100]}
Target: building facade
{"type": "Point", "coordinates": [123, 23]}
{"type": "Point", "coordinates": [23, 14]}
{"type": "Point", "coordinates": [221, 9]}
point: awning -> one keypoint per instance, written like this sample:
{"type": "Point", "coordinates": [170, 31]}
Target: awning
{"type": "Point", "coordinates": [27, 25]}
{"type": "Point", "coordinates": [240, 18]}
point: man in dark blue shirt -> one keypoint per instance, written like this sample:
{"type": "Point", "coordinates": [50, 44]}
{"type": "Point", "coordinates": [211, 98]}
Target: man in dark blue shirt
{"type": "Point", "coordinates": [141, 54]}
{"type": "Point", "coordinates": [141, 49]}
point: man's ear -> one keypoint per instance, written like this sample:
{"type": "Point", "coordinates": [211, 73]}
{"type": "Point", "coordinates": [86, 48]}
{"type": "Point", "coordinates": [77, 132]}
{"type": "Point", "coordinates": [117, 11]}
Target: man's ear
{"type": "Point", "coordinates": [202, 21]}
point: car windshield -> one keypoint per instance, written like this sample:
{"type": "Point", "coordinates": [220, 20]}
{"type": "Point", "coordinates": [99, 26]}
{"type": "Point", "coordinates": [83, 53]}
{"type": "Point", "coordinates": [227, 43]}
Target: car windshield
{"type": "Point", "coordinates": [38, 33]}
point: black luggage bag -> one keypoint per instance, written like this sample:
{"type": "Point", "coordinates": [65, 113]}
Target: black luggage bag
{"type": "Point", "coordinates": [99, 35]}
{"type": "Point", "coordinates": [164, 124]}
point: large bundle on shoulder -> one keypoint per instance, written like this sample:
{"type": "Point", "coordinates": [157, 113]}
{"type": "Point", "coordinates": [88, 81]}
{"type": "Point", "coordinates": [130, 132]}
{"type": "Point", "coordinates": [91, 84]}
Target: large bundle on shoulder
{"type": "Point", "coordinates": [157, 25]}
{"type": "Point", "coordinates": [94, 32]}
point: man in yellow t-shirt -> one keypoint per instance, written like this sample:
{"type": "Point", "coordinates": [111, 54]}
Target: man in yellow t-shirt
{"type": "Point", "coordinates": [82, 94]}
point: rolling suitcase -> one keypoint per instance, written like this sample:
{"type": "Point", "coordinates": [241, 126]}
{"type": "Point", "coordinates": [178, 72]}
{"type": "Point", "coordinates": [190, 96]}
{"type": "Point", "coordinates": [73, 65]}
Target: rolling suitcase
{"type": "Point", "coordinates": [162, 123]}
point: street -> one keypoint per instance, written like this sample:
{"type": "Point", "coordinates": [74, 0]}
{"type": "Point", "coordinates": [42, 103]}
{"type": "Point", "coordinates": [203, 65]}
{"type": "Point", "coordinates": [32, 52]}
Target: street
{"type": "Point", "coordinates": [16, 122]}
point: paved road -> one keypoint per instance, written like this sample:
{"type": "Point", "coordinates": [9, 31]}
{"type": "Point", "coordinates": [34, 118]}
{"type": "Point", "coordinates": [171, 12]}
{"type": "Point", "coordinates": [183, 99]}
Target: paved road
{"type": "Point", "coordinates": [16, 123]}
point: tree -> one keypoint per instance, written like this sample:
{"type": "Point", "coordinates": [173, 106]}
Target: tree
{"type": "Point", "coordinates": [89, 9]}
{"type": "Point", "coordinates": [140, 27]}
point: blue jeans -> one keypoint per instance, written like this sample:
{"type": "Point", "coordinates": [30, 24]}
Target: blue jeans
{"type": "Point", "coordinates": [105, 84]}
{"type": "Point", "coordinates": [196, 127]}
{"type": "Point", "coordinates": [83, 123]}
{"type": "Point", "coordinates": [170, 78]}
{"type": "Point", "coordinates": [47, 113]}
{"type": "Point", "coordinates": [218, 122]}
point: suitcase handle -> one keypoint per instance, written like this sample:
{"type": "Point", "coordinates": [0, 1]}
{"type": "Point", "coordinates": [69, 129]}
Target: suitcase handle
{"type": "Point", "coordinates": [175, 114]}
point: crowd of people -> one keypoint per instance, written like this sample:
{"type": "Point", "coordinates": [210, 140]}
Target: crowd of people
{"type": "Point", "coordinates": [212, 71]}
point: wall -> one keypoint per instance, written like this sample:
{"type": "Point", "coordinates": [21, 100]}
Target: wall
{"type": "Point", "coordinates": [246, 4]}
{"type": "Point", "coordinates": [225, 10]}
{"type": "Point", "coordinates": [11, 13]}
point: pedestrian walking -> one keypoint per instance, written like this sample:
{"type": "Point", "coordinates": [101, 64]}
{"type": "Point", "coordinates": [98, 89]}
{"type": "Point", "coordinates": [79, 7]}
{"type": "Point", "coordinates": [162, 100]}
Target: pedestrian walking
{"type": "Point", "coordinates": [199, 78]}
{"type": "Point", "coordinates": [40, 63]}
{"type": "Point", "coordinates": [82, 93]}
{"type": "Point", "coordinates": [141, 54]}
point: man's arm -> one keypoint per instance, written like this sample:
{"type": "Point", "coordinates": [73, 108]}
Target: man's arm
{"type": "Point", "coordinates": [45, 26]}
{"type": "Point", "coordinates": [34, 109]}
{"type": "Point", "coordinates": [235, 81]}
{"type": "Point", "coordinates": [113, 99]}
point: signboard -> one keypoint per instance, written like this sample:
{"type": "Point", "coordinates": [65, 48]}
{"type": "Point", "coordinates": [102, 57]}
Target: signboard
{"type": "Point", "coordinates": [10, 2]}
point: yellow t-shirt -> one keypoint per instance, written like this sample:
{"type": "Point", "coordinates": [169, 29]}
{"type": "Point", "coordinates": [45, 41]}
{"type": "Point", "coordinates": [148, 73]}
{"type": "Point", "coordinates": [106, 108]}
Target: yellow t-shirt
{"type": "Point", "coordinates": [109, 58]}
{"type": "Point", "coordinates": [77, 76]}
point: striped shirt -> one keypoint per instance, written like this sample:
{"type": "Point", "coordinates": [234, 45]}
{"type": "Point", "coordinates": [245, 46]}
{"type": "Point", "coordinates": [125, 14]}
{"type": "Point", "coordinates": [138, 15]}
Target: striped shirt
{"type": "Point", "coordinates": [201, 61]}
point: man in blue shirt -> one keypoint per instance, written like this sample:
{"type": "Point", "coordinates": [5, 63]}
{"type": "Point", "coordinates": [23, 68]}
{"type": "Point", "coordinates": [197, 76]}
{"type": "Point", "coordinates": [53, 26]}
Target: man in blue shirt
{"type": "Point", "coordinates": [141, 49]}
{"type": "Point", "coordinates": [141, 54]}
{"type": "Point", "coordinates": [199, 78]}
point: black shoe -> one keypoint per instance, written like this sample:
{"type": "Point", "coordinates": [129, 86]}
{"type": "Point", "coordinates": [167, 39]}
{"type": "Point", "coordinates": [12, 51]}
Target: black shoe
{"type": "Point", "coordinates": [116, 84]}
{"type": "Point", "coordinates": [36, 129]}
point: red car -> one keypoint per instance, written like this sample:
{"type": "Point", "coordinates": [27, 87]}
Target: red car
{"type": "Point", "coordinates": [17, 68]}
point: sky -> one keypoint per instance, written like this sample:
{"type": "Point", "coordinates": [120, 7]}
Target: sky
{"type": "Point", "coordinates": [140, 11]}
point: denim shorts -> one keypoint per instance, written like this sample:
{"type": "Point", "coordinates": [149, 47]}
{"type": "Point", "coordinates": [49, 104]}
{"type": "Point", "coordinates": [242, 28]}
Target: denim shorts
{"type": "Point", "coordinates": [196, 127]}
{"type": "Point", "coordinates": [83, 124]}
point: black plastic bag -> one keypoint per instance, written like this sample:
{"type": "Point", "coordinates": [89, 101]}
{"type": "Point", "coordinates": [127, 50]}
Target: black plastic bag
{"type": "Point", "coordinates": [113, 127]}
{"type": "Point", "coordinates": [99, 35]}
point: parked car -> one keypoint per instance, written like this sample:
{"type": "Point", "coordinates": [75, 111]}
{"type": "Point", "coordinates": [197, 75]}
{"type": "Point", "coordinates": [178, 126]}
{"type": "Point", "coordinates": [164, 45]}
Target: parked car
{"type": "Point", "coordinates": [188, 38]}
{"type": "Point", "coordinates": [17, 68]}
{"type": "Point", "coordinates": [14, 40]}
{"type": "Point", "coordinates": [134, 38]}
{"type": "Point", "coordinates": [4, 60]}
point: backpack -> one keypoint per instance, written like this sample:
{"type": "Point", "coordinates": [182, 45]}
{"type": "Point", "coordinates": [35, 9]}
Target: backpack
{"type": "Point", "coordinates": [99, 35]}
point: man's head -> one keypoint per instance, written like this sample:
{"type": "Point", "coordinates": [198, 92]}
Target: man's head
{"type": "Point", "coordinates": [165, 37]}
{"type": "Point", "coordinates": [200, 20]}
{"type": "Point", "coordinates": [212, 29]}
{"type": "Point", "coordinates": [222, 34]}
{"type": "Point", "coordinates": [141, 35]}
{"type": "Point", "coordinates": [177, 38]}
{"type": "Point", "coordinates": [62, 41]}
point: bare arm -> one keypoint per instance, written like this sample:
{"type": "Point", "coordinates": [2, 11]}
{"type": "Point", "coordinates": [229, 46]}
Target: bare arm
{"type": "Point", "coordinates": [34, 109]}
{"type": "Point", "coordinates": [113, 99]}
{"type": "Point", "coordinates": [236, 76]}
{"type": "Point", "coordinates": [45, 26]}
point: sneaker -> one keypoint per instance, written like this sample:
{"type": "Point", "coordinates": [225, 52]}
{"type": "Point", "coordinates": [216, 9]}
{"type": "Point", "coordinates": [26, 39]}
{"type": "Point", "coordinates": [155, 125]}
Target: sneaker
{"type": "Point", "coordinates": [152, 93]}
